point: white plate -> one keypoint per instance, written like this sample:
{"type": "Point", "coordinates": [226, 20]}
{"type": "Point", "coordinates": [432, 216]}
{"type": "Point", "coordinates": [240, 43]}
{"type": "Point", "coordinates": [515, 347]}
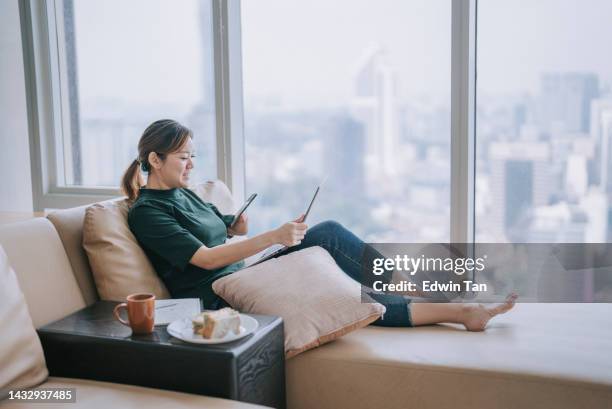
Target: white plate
{"type": "Point", "coordinates": [183, 330]}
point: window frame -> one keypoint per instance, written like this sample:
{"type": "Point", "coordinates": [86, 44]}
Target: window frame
{"type": "Point", "coordinates": [463, 120]}
{"type": "Point", "coordinates": [50, 114]}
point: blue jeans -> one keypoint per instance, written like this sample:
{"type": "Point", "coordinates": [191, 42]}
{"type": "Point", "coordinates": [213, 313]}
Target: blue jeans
{"type": "Point", "coordinates": [354, 257]}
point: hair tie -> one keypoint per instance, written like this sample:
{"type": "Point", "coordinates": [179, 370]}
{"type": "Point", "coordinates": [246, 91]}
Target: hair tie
{"type": "Point", "coordinates": [144, 166]}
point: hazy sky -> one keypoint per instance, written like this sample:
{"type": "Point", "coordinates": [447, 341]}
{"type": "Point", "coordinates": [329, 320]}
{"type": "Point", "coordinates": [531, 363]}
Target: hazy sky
{"type": "Point", "coordinates": [518, 39]}
{"type": "Point", "coordinates": [310, 49]}
{"type": "Point", "coordinates": [141, 50]}
{"type": "Point", "coordinates": [306, 51]}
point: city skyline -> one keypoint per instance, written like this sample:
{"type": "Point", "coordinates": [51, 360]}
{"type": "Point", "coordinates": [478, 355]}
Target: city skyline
{"type": "Point", "coordinates": [540, 153]}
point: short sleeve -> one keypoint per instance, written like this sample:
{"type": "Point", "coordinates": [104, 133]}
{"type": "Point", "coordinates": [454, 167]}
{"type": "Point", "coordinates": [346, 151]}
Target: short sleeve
{"type": "Point", "coordinates": [158, 231]}
{"type": "Point", "coordinates": [227, 219]}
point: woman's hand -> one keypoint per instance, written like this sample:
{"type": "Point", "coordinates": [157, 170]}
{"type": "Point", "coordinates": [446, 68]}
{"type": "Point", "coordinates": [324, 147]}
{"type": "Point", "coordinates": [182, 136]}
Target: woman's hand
{"type": "Point", "coordinates": [291, 233]}
{"type": "Point", "coordinates": [240, 228]}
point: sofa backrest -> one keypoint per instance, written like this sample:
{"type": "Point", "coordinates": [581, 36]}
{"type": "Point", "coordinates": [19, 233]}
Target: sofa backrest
{"type": "Point", "coordinates": [69, 225]}
{"type": "Point", "coordinates": [36, 253]}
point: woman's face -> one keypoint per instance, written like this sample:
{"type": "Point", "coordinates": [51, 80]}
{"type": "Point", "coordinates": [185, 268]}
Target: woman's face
{"type": "Point", "coordinates": [174, 171]}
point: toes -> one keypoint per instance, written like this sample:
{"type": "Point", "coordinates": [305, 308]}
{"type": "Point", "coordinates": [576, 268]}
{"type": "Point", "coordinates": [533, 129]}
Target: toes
{"type": "Point", "coordinates": [478, 322]}
{"type": "Point", "coordinates": [501, 308]}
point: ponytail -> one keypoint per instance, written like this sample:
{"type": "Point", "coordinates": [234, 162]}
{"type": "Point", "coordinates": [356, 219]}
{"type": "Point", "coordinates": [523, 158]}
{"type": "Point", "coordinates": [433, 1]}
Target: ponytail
{"type": "Point", "coordinates": [131, 181]}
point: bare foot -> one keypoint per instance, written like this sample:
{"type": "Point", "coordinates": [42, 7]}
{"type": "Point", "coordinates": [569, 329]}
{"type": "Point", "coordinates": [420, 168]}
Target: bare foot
{"type": "Point", "coordinates": [476, 316]}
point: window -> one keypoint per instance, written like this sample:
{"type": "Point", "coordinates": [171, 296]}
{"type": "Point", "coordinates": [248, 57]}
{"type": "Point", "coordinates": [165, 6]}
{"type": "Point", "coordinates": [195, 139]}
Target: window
{"type": "Point", "coordinates": [116, 67]}
{"type": "Point", "coordinates": [353, 91]}
{"type": "Point", "coordinates": [357, 93]}
{"type": "Point", "coordinates": [544, 121]}
{"type": "Point", "coordinates": [132, 63]}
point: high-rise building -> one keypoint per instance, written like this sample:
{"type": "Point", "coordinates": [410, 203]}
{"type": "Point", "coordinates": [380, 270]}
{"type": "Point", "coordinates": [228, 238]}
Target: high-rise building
{"type": "Point", "coordinates": [343, 153]}
{"type": "Point", "coordinates": [519, 181]}
{"type": "Point", "coordinates": [565, 101]}
{"type": "Point", "coordinates": [576, 176]}
{"type": "Point", "coordinates": [374, 104]}
{"type": "Point", "coordinates": [601, 132]}
{"type": "Point", "coordinates": [519, 116]}
{"type": "Point", "coordinates": [584, 222]}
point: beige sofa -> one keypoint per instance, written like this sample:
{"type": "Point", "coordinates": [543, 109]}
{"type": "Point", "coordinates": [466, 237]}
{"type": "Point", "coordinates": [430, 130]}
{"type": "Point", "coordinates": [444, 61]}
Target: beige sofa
{"type": "Point", "coordinates": [537, 356]}
{"type": "Point", "coordinates": [47, 279]}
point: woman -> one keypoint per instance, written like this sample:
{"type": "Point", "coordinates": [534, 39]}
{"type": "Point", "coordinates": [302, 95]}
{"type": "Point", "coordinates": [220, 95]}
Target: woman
{"type": "Point", "coordinates": [185, 238]}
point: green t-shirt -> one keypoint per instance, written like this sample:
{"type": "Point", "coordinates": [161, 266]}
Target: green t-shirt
{"type": "Point", "coordinates": [171, 225]}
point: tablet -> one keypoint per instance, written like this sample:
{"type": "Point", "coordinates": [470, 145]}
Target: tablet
{"type": "Point", "coordinates": [311, 202]}
{"type": "Point", "coordinates": [243, 208]}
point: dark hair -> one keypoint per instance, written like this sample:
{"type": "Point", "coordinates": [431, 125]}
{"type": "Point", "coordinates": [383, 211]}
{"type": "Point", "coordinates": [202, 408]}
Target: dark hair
{"type": "Point", "coordinates": [162, 137]}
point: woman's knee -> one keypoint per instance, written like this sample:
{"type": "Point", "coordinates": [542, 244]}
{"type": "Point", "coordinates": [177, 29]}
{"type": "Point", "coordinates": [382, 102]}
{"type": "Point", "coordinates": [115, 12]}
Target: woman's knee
{"type": "Point", "coordinates": [325, 233]}
{"type": "Point", "coordinates": [331, 225]}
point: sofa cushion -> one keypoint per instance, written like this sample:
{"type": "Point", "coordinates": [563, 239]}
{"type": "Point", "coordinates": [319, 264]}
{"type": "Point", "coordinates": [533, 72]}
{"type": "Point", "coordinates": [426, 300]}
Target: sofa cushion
{"type": "Point", "coordinates": [317, 300]}
{"type": "Point", "coordinates": [535, 356]}
{"type": "Point", "coordinates": [43, 270]}
{"type": "Point", "coordinates": [120, 266]}
{"type": "Point", "coordinates": [69, 226]}
{"type": "Point", "coordinates": [103, 395]}
{"type": "Point", "coordinates": [21, 355]}
{"type": "Point", "coordinates": [217, 193]}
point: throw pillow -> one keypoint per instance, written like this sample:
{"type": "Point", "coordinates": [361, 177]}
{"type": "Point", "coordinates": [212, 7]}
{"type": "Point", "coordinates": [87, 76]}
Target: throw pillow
{"type": "Point", "coordinates": [316, 299]}
{"type": "Point", "coordinates": [217, 193]}
{"type": "Point", "coordinates": [21, 355]}
{"type": "Point", "coordinates": [119, 265]}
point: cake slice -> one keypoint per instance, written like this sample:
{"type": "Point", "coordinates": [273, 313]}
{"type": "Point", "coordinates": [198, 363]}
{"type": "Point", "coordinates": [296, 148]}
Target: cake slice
{"type": "Point", "coordinates": [216, 324]}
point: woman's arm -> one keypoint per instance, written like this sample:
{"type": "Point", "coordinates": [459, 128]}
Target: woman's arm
{"type": "Point", "coordinates": [211, 258]}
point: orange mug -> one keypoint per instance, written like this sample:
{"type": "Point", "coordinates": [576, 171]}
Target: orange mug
{"type": "Point", "coordinates": [141, 312]}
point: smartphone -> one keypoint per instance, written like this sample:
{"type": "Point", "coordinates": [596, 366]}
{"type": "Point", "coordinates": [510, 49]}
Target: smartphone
{"type": "Point", "coordinates": [243, 208]}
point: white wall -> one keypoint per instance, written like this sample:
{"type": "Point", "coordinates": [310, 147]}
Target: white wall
{"type": "Point", "coordinates": [15, 173]}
